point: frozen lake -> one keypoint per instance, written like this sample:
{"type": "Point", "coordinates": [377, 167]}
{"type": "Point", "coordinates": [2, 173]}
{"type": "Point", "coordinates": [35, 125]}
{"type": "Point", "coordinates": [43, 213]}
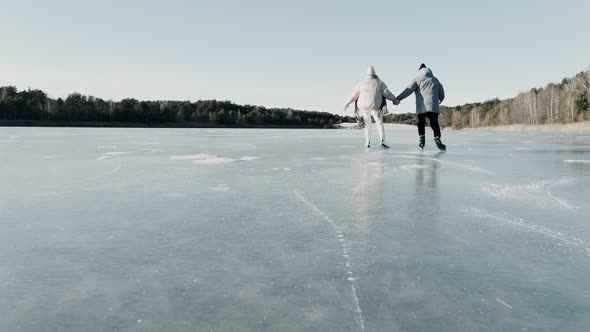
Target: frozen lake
{"type": "Point", "coordinates": [292, 230]}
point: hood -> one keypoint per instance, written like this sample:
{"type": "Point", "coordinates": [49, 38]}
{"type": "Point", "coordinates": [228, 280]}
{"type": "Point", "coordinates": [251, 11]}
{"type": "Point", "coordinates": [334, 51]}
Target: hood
{"type": "Point", "coordinates": [371, 71]}
{"type": "Point", "coordinates": [425, 72]}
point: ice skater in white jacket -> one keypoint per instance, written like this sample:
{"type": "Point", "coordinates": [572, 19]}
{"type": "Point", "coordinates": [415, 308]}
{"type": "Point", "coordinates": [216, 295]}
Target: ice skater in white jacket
{"type": "Point", "coordinates": [369, 95]}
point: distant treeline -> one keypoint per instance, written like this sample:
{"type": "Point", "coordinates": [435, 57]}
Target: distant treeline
{"type": "Point", "coordinates": [34, 105]}
{"type": "Point", "coordinates": [404, 118]}
{"type": "Point", "coordinates": [565, 102]}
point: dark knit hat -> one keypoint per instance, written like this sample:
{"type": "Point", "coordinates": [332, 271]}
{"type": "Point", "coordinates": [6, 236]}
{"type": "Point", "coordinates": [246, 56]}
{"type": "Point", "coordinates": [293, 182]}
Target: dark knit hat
{"type": "Point", "coordinates": [422, 66]}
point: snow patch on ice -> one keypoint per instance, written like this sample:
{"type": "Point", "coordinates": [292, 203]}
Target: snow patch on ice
{"type": "Point", "coordinates": [522, 149]}
{"type": "Point", "coordinates": [117, 153]}
{"type": "Point", "coordinates": [50, 157]}
{"type": "Point", "coordinates": [318, 158]}
{"type": "Point", "coordinates": [496, 190]}
{"type": "Point", "coordinates": [193, 156]}
{"type": "Point", "coordinates": [576, 161]}
{"type": "Point", "coordinates": [104, 157]}
{"type": "Point", "coordinates": [211, 159]}
{"type": "Point", "coordinates": [286, 169]}
{"type": "Point", "coordinates": [220, 187]}
{"type": "Point", "coordinates": [249, 158]}
{"type": "Point", "coordinates": [520, 191]}
{"type": "Point", "coordinates": [214, 160]}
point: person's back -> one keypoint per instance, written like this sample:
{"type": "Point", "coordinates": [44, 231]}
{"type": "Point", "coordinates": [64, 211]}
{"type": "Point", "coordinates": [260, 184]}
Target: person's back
{"type": "Point", "coordinates": [370, 95]}
{"type": "Point", "coordinates": [429, 94]}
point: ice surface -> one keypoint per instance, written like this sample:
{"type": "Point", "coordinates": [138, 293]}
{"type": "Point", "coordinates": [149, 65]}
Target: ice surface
{"type": "Point", "coordinates": [292, 230]}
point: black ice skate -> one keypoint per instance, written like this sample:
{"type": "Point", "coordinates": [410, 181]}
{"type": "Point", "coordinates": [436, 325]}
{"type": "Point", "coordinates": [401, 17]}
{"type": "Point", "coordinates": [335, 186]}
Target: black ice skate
{"type": "Point", "coordinates": [440, 144]}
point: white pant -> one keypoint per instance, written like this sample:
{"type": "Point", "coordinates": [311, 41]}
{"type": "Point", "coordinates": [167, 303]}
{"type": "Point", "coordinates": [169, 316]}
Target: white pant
{"type": "Point", "coordinates": [366, 114]}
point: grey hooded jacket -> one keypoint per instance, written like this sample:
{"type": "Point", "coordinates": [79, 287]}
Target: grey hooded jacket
{"type": "Point", "coordinates": [429, 92]}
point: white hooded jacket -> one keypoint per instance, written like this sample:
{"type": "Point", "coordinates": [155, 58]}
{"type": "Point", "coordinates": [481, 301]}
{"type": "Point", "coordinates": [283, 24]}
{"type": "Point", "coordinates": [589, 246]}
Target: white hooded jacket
{"type": "Point", "coordinates": [369, 92]}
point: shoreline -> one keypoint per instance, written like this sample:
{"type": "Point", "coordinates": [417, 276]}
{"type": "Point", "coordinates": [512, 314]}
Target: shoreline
{"type": "Point", "coordinates": [91, 124]}
{"type": "Point", "coordinates": [579, 128]}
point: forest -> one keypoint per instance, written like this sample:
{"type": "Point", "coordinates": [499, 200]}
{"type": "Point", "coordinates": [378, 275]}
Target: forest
{"type": "Point", "coordinates": [35, 105]}
{"type": "Point", "coordinates": [564, 102]}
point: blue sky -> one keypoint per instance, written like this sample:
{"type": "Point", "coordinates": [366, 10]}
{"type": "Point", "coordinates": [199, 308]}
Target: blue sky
{"type": "Point", "coordinates": [301, 54]}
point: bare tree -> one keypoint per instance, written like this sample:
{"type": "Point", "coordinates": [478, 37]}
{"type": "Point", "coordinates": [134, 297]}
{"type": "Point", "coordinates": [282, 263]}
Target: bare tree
{"type": "Point", "coordinates": [530, 99]}
{"type": "Point", "coordinates": [474, 117]}
{"type": "Point", "coordinates": [584, 82]}
{"type": "Point", "coordinates": [519, 110]}
{"type": "Point", "coordinates": [570, 91]}
{"type": "Point", "coordinates": [551, 102]}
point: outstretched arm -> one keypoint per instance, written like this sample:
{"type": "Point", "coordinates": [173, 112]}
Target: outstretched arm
{"type": "Point", "coordinates": [388, 95]}
{"type": "Point", "coordinates": [408, 91]}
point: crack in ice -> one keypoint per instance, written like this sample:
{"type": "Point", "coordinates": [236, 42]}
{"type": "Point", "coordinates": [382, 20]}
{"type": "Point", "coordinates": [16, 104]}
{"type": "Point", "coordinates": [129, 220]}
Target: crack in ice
{"type": "Point", "coordinates": [560, 201]}
{"type": "Point", "coordinates": [544, 230]}
{"type": "Point", "coordinates": [345, 254]}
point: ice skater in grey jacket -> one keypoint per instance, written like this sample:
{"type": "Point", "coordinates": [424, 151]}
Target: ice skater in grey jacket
{"type": "Point", "coordinates": [429, 94]}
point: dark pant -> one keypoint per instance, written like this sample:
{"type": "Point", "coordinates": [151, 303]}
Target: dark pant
{"type": "Point", "coordinates": [433, 119]}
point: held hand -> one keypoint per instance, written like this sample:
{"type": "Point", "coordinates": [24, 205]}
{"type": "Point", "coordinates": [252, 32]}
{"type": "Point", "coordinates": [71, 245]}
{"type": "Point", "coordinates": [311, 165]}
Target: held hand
{"type": "Point", "coordinates": [395, 101]}
{"type": "Point", "coordinates": [345, 108]}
